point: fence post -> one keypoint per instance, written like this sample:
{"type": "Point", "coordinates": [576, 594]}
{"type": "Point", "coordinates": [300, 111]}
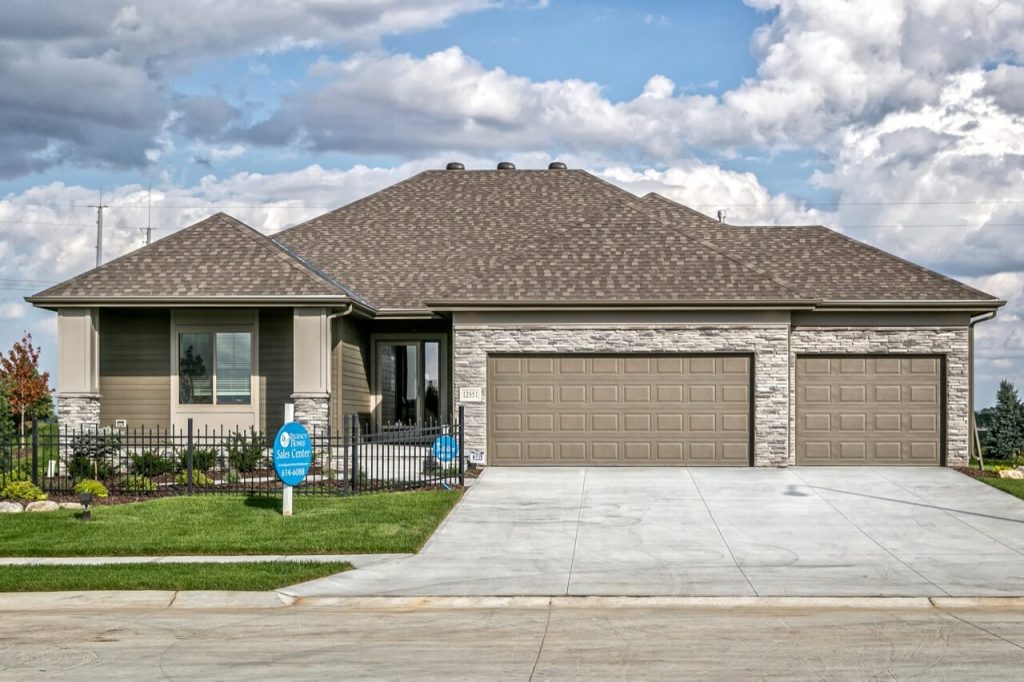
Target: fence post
{"type": "Point", "coordinates": [35, 451]}
{"type": "Point", "coordinates": [346, 443]}
{"type": "Point", "coordinates": [462, 445]}
{"type": "Point", "coordinates": [190, 455]}
{"type": "Point", "coordinates": [355, 454]}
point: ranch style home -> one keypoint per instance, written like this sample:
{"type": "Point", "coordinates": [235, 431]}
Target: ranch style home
{"type": "Point", "coordinates": [577, 323]}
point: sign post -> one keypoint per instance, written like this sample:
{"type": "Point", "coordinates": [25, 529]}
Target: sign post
{"type": "Point", "coordinates": [293, 455]}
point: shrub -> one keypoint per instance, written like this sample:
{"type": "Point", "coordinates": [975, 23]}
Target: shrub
{"type": "Point", "coordinates": [203, 459]}
{"type": "Point", "coordinates": [23, 491]}
{"type": "Point", "coordinates": [199, 479]}
{"type": "Point", "coordinates": [151, 463]}
{"type": "Point", "coordinates": [91, 486]}
{"type": "Point", "coordinates": [16, 474]}
{"type": "Point", "coordinates": [138, 484]}
{"type": "Point", "coordinates": [1017, 460]}
{"type": "Point", "coordinates": [246, 451]}
{"type": "Point", "coordinates": [92, 453]}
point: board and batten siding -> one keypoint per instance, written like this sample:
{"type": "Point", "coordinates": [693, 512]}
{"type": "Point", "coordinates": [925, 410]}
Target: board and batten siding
{"type": "Point", "coordinates": [135, 367]}
{"type": "Point", "coordinates": [350, 361]}
{"type": "Point", "coordinates": [275, 366]}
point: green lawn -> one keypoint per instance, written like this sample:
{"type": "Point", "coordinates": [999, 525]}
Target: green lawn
{"type": "Point", "coordinates": [1007, 485]}
{"type": "Point", "coordinates": [258, 576]}
{"type": "Point", "coordinates": [380, 523]}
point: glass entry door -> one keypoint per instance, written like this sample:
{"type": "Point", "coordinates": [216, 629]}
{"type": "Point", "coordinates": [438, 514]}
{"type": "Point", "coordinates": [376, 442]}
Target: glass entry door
{"type": "Point", "coordinates": [410, 382]}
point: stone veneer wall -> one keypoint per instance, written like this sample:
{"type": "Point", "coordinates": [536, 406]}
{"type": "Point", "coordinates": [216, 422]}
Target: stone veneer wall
{"type": "Point", "coordinates": [952, 342]}
{"type": "Point", "coordinates": [312, 410]}
{"type": "Point", "coordinates": [768, 343]}
{"type": "Point", "coordinates": [78, 410]}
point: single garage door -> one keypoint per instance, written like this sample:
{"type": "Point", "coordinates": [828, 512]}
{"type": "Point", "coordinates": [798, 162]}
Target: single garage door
{"type": "Point", "coordinates": [618, 410]}
{"type": "Point", "coordinates": [870, 410]}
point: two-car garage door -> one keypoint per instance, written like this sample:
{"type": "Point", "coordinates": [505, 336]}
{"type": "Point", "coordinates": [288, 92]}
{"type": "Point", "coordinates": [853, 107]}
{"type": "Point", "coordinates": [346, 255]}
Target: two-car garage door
{"type": "Point", "coordinates": [619, 410]}
{"type": "Point", "coordinates": [688, 410]}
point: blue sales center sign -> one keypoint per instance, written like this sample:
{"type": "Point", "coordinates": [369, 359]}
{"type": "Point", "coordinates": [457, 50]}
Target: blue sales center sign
{"type": "Point", "coordinates": [293, 453]}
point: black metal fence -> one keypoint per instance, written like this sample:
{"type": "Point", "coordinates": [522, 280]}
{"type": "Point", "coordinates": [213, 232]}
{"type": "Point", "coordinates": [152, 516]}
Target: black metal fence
{"type": "Point", "coordinates": [150, 462]}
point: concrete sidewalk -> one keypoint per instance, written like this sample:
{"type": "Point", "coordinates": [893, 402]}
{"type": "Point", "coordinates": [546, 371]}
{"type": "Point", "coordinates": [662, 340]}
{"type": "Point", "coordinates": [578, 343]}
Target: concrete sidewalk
{"type": "Point", "coordinates": [802, 531]}
{"type": "Point", "coordinates": [357, 560]}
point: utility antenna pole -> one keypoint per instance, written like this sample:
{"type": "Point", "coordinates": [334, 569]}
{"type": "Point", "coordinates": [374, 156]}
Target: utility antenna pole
{"type": "Point", "coordinates": [99, 228]}
{"type": "Point", "coordinates": [148, 231]}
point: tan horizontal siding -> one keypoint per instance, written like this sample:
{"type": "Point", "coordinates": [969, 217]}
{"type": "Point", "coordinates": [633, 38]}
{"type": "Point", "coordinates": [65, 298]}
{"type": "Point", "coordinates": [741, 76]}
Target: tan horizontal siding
{"type": "Point", "coordinates": [350, 383]}
{"type": "Point", "coordinates": [135, 367]}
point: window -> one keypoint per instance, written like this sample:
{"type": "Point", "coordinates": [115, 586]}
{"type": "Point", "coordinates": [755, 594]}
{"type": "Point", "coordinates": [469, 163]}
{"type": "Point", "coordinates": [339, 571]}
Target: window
{"type": "Point", "coordinates": [411, 385]}
{"type": "Point", "coordinates": [215, 368]}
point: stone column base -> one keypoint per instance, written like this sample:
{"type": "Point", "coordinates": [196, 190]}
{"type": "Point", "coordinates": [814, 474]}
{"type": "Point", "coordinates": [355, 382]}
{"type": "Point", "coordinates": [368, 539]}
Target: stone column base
{"type": "Point", "coordinates": [77, 411]}
{"type": "Point", "coordinates": [312, 410]}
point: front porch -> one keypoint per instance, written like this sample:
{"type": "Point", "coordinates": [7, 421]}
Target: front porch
{"type": "Point", "coordinates": [236, 368]}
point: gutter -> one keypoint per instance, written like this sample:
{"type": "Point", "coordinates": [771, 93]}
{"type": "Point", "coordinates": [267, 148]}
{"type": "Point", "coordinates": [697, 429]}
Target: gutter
{"type": "Point", "coordinates": [955, 305]}
{"type": "Point", "coordinates": [972, 427]}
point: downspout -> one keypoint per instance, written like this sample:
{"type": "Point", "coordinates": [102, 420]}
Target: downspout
{"type": "Point", "coordinates": [974, 443]}
{"type": "Point", "coordinates": [330, 358]}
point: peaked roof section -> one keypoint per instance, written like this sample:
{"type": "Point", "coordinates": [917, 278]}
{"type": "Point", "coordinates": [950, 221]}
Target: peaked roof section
{"type": "Point", "coordinates": [414, 240]}
{"type": "Point", "coordinates": [621, 254]}
{"type": "Point", "coordinates": [819, 262]}
{"type": "Point", "coordinates": [217, 258]}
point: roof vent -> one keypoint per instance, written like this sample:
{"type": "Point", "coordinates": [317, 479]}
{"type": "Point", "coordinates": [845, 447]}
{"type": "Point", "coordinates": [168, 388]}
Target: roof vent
{"type": "Point", "coordinates": [556, 165]}
{"type": "Point", "coordinates": [721, 215]}
{"type": "Point", "coordinates": [506, 165]}
{"type": "Point", "coordinates": [455, 165]}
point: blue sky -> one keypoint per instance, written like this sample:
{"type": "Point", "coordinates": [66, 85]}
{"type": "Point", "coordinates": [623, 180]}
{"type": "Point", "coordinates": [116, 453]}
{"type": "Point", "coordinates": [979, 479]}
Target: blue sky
{"type": "Point", "coordinates": [874, 118]}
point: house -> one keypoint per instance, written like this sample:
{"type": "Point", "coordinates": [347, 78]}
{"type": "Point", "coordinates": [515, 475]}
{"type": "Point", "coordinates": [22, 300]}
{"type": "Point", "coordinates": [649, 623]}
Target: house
{"type": "Point", "coordinates": [576, 322]}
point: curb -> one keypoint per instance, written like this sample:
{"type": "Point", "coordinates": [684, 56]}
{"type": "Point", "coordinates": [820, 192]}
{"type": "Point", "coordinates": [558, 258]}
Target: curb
{"type": "Point", "coordinates": [354, 559]}
{"type": "Point", "coordinates": [206, 600]}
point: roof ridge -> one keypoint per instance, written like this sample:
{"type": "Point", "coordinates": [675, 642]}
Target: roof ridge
{"type": "Point", "coordinates": [683, 206]}
{"type": "Point", "coordinates": [268, 242]}
{"type": "Point", "coordinates": [921, 268]}
{"type": "Point", "coordinates": [350, 204]}
{"type": "Point", "coordinates": [109, 263]}
{"type": "Point", "coordinates": [721, 252]}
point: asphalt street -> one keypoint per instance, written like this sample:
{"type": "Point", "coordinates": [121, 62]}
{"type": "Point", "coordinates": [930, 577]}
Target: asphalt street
{"type": "Point", "coordinates": [518, 640]}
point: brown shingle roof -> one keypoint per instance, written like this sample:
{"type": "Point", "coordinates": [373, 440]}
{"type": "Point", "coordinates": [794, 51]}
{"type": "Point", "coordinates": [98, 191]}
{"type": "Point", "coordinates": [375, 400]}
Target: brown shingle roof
{"type": "Point", "coordinates": [620, 254]}
{"type": "Point", "coordinates": [819, 262]}
{"type": "Point", "coordinates": [558, 236]}
{"type": "Point", "coordinates": [412, 241]}
{"type": "Point", "coordinates": [217, 257]}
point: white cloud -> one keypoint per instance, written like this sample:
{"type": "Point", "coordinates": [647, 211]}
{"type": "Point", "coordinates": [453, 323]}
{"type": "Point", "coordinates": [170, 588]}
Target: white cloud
{"type": "Point", "coordinates": [88, 82]}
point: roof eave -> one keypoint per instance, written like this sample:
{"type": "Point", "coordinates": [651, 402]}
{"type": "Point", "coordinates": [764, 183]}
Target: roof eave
{"type": "Point", "coordinates": [56, 302]}
{"type": "Point", "coordinates": [524, 304]}
{"type": "Point", "coordinates": [980, 305]}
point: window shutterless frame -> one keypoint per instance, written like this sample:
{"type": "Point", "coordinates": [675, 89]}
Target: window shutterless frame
{"type": "Point", "coordinates": [378, 341]}
{"type": "Point", "coordinates": [215, 415]}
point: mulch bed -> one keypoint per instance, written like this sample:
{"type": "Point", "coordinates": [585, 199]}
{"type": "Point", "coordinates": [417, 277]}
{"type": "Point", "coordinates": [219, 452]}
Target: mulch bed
{"type": "Point", "coordinates": [977, 473]}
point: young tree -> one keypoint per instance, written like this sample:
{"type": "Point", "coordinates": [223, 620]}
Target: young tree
{"type": "Point", "coordinates": [1006, 433]}
{"type": "Point", "coordinates": [6, 422]}
{"type": "Point", "coordinates": [28, 391]}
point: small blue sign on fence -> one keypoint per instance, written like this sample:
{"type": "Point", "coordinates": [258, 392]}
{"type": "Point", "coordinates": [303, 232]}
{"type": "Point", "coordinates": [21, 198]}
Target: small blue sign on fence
{"type": "Point", "coordinates": [293, 453]}
{"type": "Point", "coordinates": [445, 449]}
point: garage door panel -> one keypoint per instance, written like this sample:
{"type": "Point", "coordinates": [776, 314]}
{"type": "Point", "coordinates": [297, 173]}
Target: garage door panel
{"type": "Point", "coordinates": [622, 410]}
{"type": "Point", "coordinates": [854, 410]}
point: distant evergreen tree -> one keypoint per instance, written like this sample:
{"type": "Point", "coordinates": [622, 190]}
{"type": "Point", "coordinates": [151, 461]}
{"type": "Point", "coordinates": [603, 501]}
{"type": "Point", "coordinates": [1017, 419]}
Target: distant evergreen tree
{"type": "Point", "coordinates": [1006, 434]}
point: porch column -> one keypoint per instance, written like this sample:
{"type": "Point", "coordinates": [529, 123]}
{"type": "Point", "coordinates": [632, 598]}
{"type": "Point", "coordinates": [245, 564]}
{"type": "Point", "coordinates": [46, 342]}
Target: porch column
{"type": "Point", "coordinates": [78, 367]}
{"type": "Point", "coordinates": [311, 362]}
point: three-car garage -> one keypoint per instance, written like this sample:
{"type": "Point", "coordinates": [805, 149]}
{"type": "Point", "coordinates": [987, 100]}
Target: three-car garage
{"type": "Point", "coordinates": [640, 409]}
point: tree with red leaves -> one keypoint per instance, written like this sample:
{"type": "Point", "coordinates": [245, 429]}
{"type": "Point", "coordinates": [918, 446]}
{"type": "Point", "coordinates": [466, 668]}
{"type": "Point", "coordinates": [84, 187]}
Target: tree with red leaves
{"type": "Point", "coordinates": [28, 391]}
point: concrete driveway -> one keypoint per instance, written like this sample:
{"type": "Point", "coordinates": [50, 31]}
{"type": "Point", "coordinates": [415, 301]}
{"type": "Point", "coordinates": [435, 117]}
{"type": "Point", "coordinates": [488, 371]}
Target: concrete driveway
{"type": "Point", "coordinates": [713, 532]}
